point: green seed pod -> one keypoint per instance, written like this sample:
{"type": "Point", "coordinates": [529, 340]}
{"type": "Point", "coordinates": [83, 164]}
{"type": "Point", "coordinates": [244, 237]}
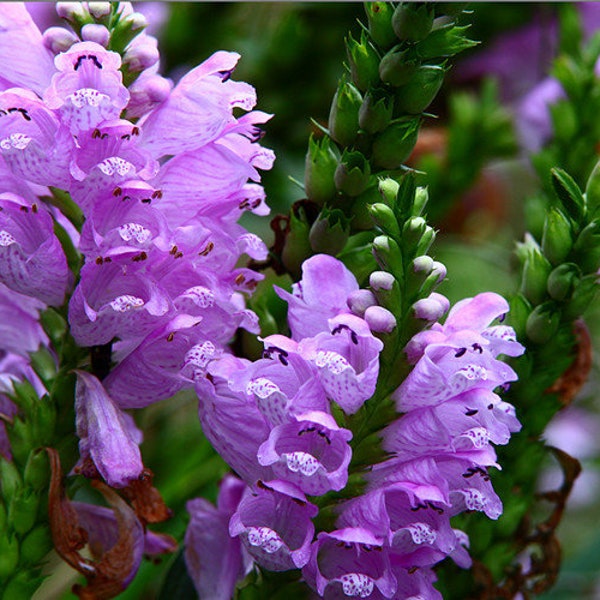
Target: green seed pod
{"type": "Point", "coordinates": [398, 66]}
{"type": "Point", "coordinates": [394, 145]}
{"type": "Point", "coordinates": [37, 470]}
{"type": "Point", "coordinates": [562, 281]}
{"type": "Point", "coordinates": [412, 22]}
{"type": "Point", "coordinates": [376, 111]}
{"type": "Point", "coordinates": [352, 174]}
{"type": "Point", "coordinates": [379, 18]}
{"type": "Point", "coordinates": [9, 555]}
{"type": "Point", "coordinates": [364, 62]}
{"type": "Point", "coordinates": [556, 239]}
{"type": "Point", "coordinates": [320, 165]}
{"type": "Point", "coordinates": [384, 218]}
{"type": "Point", "coordinates": [343, 116]}
{"type": "Point", "coordinates": [414, 97]}
{"type": "Point", "coordinates": [36, 544]}
{"type": "Point", "coordinates": [22, 510]}
{"type": "Point", "coordinates": [329, 233]}
{"type": "Point", "coordinates": [10, 479]}
{"type": "Point", "coordinates": [542, 323]}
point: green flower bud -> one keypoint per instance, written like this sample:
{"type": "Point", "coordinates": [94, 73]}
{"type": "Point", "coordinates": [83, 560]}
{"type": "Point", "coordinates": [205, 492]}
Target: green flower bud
{"type": "Point", "coordinates": [426, 240]}
{"type": "Point", "coordinates": [36, 544]}
{"type": "Point", "coordinates": [420, 201]}
{"type": "Point", "coordinates": [562, 281]}
{"type": "Point", "coordinates": [320, 165]}
{"type": "Point", "coordinates": [9, 556]}
{"type": "Point", "coordinates": [43, 421]}
{"type": "Point", "coordinates": [352, 174]}
{"type": "Point", "coordinates": [536, 269]}
{"type": "Point", "coordinates": [394, 145]}
{"type": "Point", "coordinates": [388, 188]}
{"type": "Point", "coordinates": [10, 479]}
{"type": "Point", "coordinates": [22, 510]}
{"type": "Point", "coordinates": [412, 22]}
{"type": "Point", "coordinates": [389, 256]}
{"type": "Point", "coordinates": [556, 239]}
{"type": "Point", "coordinates": [520, 309]}
{"type": "Point", "coordinates": [376, 111]}
{"type": "Point", "coordinates": [447, 40]}
{"type": "Point", "coordinates": [385, 288]}
{"type": "Point", "coordinates": [329, 233]}
{"type": "Point", "coordinates": [592, 191]}
{"type": "Point", "coordinates": [297, 245]}
{"type": "Point", "coordinates": [398, 66]}
{"type": "Point", "coordinates": [419, 92]}
{"type": "Point", "coordinates": [343, 116]}
{"type": "Point", "coordinates": [379, 18]}
{"type": "Point", "coordinates": [385, 219]}
{"type": "Point", "coordinates": [587, 247]}
{"type": "Point", "coordinates": [583, 295]}
{"type": "Point", "coordinates": [542, 323]}
{"type": "Point", "coordinates": [364, 62]}
{"type": "Point", "coordinates": [37, 470]}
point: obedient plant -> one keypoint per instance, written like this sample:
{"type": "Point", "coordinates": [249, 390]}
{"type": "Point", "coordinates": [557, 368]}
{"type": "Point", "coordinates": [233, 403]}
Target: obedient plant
{"type": "Point", "coordinates": [362, 438]}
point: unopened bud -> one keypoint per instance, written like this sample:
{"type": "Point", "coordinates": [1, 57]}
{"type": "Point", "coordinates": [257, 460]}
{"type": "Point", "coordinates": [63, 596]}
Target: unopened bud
{"type": "Point", "coordinates": [58, 39]}
{"type": "Point", "coordinates": [319, 168]}
{"type": "Point", "coordinates": [21, 586]}
{"type": "Point", "coordinates": [379, 18]}
{"type": "Point", "coordinates": [98, 10]}
{"type": "Point", "coordinates": [94, 32]}
{"type": "Point", "coordinates": [562, 281]}
{"type": "Point", "coordinates": [143, 55]}
{"type": "Point", "coordinates": [583, 295]}
{"type": "Point", "coordinates": [297, 245]}
{"type": "Point", "coordinates": [420, 201]}
{"type": "Point", "coordinates": [381, 280]}
{"type": "Point", "coordinates": [592, 192]}
{"type": "Point", "coordinates": [343, 116]}
{"type": "Point", "coordinates": [352, 174]}
{"type": "Point", "coordinates": [419, 92]}
{"type": "Point", "coordinates": [587, 247]}
{"type": "Point", "coordinates": [72, 11]}
{"type": "Point", "coordinates": [385, 219]}
{"type": "Point", "coordinates": [359, 300]}
{"type": "Point", "coordinates": [535, 274]}
{"type": "Point", "coordinates": [542, 323]}
{"type": "Point", "coordinates": [364, 62]}
{"type": "Point", "coordinates": [394, 145]}
{"type": "Point", "coordinates": [388, 188]}
{"type": "Point", "coordinates": [412, 22]}
{"type": "Point", "coordinates": [556, 239]}
{"type": "Point", "coordinates": [136, 21]}
{"type": "Point", "coordinates": [380, 319]}
{"type": "Point", "coordinates": [520, 309]}
{"type": "Point", "coordinates": [397, 67]}
{"type": "Point", "coordinates": [376, 111]}
{"type": "Point", "coordinates": [432, 308]}
{"type": "Point", "coordinates": [329, 233]}
{"type": "Point", "coordinates": [389, 256]}
{"type": "Point", "coordinates": [423, 264]}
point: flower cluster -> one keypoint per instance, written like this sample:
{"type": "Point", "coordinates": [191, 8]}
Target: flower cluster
{"type": "Point", "coordinates": [158, 176]}
{"type": "Point", "coordinates": [273, 421]}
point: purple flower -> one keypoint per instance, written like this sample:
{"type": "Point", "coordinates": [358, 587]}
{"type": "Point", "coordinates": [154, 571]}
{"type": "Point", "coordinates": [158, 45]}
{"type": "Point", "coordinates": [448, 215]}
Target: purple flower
{"type": "Point", "coordinates": [215, 560]}
{"type": "Point", "coordinates": [320, 295]}
{"type": "Point", "coordinates": [312, 452]}
{"type": "Point", "coordinates": [32, 261]}
{"type": "Point", "coordinates": [347, 360]}
{"type": "Point", "coordinates": [274, 523]}
{"type": "Point", "coordinates": [350, 562]}
{"type": "Point", "coordinates": [106, 435]}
